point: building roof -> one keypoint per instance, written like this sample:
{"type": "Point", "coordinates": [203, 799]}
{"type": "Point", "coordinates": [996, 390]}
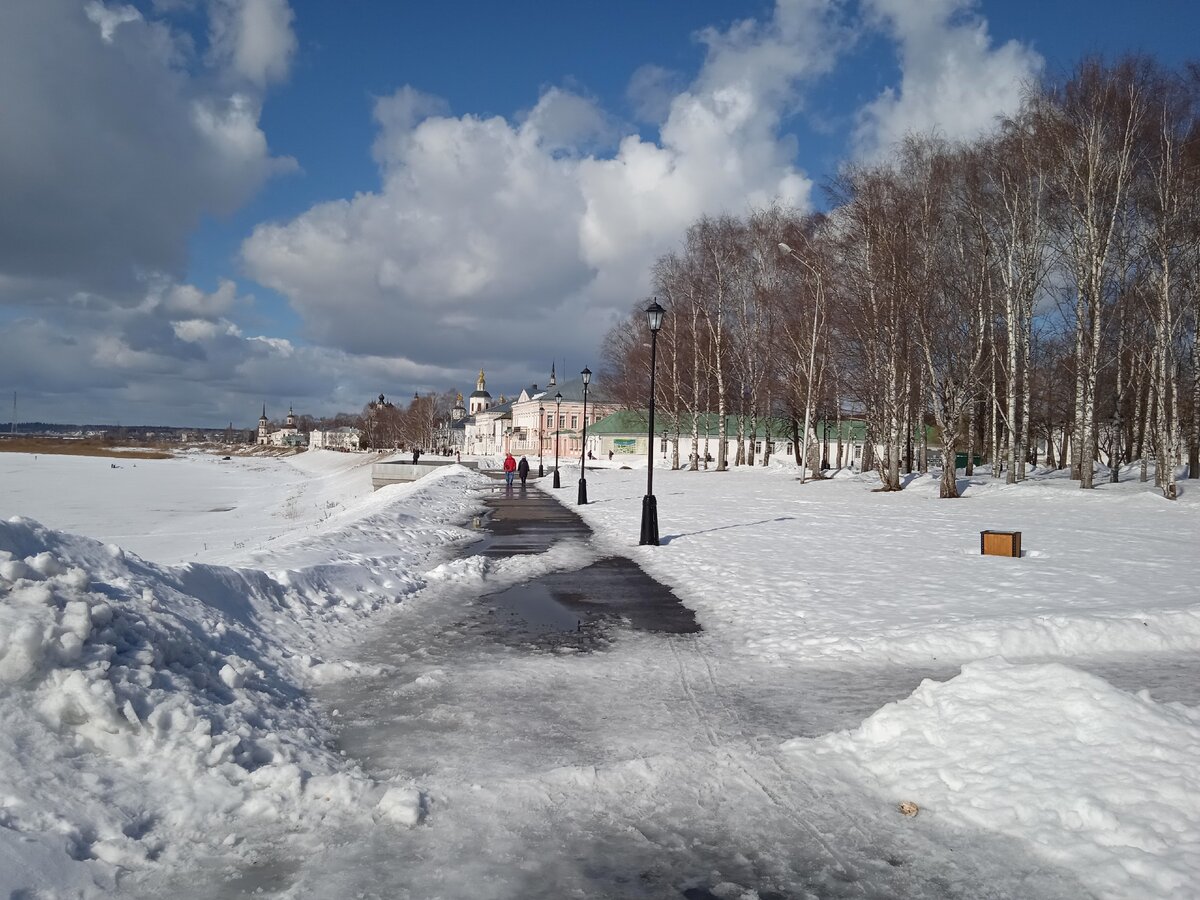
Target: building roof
{"type": "Point", "coordinates": [572, 392]}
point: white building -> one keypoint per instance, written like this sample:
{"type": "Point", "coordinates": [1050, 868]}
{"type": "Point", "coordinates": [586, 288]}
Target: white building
{"type": "Point", "coordinates": [343, 438]}
{"type": "Point", "coordinates": [287, 436]}
{"type": "Point", "coordinates": [486, 423]}
{"type": "Point", "coordinates": [535, 432]}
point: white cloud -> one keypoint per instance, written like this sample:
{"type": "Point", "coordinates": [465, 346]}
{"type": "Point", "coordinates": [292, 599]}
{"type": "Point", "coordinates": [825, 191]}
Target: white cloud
{"type": "Point", "coordinates": [115, 143]}
{"type": "Point", "coordinates": [564, 121]}
{"type": "Point", "coordinates": [650, 92]}
{"type": "Point", "coordinates": [187, 300]}
{"type": "Point", "coordinates": [110, 18]}
{"type": "Point", "coordinates": [253, 39]}
{"type": "Point", "coordinates": [954, 81]}
{"type": "Point", "coordinates": [519, 237]}
{"type": "Point", "coordinates": [195, 331]}
{"type": "Point", "coordinates": [154, 364]}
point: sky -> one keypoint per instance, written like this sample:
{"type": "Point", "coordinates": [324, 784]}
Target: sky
{"type": "Point", "coordinates": [211, 205]}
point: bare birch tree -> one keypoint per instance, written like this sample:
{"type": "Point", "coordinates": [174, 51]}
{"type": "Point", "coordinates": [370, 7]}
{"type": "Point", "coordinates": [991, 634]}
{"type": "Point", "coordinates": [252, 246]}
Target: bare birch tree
{"type": "Point", "coordinates": [1091, 126]}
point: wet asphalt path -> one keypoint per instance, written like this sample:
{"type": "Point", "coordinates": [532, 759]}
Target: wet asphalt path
{"type": "Point", "coordinates": [613, 591]}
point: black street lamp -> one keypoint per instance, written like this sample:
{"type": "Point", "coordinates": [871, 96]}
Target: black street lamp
{"type": "Point", "coordinates": [541, 443]}
{"type": "Point", "coordinates": [557, 431]}
{"type": "Point", "coordinates": [587, 379]}
{"type": "Point", "coordinates": [654, 318]}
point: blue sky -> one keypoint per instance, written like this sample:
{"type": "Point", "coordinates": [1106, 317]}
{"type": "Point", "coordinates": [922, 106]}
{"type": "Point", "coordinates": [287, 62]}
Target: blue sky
{"type": "Point", "coordinates": [212, 204]}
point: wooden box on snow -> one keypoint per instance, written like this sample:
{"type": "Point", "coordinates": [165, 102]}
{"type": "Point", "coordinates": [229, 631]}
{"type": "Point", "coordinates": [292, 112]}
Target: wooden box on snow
{"type": "Point", "coordinates": [1000, 543]}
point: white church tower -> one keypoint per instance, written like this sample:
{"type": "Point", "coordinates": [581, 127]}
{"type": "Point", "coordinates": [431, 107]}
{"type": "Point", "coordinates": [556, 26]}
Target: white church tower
{"type": "Point", "coordinates": [480, 398]}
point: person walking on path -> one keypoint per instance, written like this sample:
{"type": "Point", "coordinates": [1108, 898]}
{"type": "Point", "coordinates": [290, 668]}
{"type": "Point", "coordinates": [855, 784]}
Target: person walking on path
{"type": "Point", "coordinates": [416, 455]}
{"type": "Point", "coordinates": [523, 470]}
{"type": "Point", "coordinates": [510, 468]}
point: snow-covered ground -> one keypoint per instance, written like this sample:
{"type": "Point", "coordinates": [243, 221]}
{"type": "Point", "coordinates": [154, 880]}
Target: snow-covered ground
{"type": "Point", "coordinates": [159, 718]}
{"type": "Point", "coordinates": [833, 570]}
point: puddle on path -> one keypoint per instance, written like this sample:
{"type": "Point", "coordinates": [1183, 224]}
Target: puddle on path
{"type": "Point", "coordinates": [532, 608]}
{"type": "Point", "coordinates": [577, 609]}
{"type": "Point", "coordinates": [564, 609]}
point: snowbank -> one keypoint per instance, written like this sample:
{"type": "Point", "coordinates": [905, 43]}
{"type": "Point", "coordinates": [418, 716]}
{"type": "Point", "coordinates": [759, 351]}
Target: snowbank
{"type": "Point", "coordinates": [154, 712]}
{"type": "Point", "coordinates": [1104, 783]}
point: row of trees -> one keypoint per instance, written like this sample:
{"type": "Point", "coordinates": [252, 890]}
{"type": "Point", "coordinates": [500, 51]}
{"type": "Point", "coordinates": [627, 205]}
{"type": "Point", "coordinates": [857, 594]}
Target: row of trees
{"type": "Point", "coordinates": [386, 426]}
{"type": "Point", "coordinates": [1033, 291]}
{"type": "Point", "coordinates": [383, 425]}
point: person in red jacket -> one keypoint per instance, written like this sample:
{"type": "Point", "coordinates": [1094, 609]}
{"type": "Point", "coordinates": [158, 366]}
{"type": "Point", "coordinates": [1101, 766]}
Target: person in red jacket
{"type": "Point", "coordinates": [510, 468]}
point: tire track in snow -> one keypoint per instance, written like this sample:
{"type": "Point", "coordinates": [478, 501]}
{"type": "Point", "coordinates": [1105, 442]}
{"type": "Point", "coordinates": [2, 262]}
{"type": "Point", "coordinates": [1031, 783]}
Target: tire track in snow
{"type": "Point", "coordinates": [849, 872]}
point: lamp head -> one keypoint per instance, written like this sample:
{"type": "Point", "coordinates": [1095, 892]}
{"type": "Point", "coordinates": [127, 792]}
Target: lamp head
{"type": "Point", "coordinates": [654, 316]}
{"type": "Point", "coordinates": [557, 397]}
{"type": "Point", "coordinates": [784, 248]}
{"type": "Point", "coordinates": [587, 376]}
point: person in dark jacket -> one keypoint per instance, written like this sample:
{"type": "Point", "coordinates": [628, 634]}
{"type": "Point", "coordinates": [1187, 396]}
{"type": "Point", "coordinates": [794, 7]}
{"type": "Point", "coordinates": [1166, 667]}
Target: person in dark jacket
{"type": "Point", "coordinates": [523, 469]}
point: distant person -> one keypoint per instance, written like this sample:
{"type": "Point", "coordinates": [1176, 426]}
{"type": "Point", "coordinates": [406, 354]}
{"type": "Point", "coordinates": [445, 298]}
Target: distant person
{"type": "Point", "coordinates": [523, 470]}
{"type": "Point", "coordinates": [416, 455]}
{"type": "Point", "coordinates": [457, 456]}
{"type": "Point", "coordinates": [610, 454]}
{"type": "Point", "coordinates": [590, 455]}
{"type": "Point", "coordinates": [510, 469]}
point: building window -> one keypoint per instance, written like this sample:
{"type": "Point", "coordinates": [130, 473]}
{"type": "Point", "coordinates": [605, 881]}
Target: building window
{"type": "Point", "coordinates": [562, 421]}
{"type": "Point", "coordinates": [549, 421]}
{"type": "Point", "coordinates": [574, 421]}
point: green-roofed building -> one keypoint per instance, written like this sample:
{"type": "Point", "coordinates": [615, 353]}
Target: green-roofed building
{"type": "Point", "coordinates": [623, 434]}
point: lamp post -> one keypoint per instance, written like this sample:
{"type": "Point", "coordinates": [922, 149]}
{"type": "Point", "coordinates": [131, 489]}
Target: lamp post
{"type": "Point", "coordinates": [541, 420]}
{"type": "Point", "coordinates": [557, 431]}
{"type": "Point", "coordinates": [654, 318]}
{"type": "Point", "coordinates": [812, 356]}
{"type": "Point", "coordinates": [587, 379]}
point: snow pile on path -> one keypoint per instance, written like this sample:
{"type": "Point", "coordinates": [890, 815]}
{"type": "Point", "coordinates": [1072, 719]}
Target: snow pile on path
{"type": "Point", "coordinates": [1097, 780]}
{"type": "Point", "coordinates": [153, 713]}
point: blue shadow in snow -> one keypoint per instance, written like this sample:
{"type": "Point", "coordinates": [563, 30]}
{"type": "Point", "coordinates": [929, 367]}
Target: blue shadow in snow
{"type": "Point", "coordinates": [667, 538]}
